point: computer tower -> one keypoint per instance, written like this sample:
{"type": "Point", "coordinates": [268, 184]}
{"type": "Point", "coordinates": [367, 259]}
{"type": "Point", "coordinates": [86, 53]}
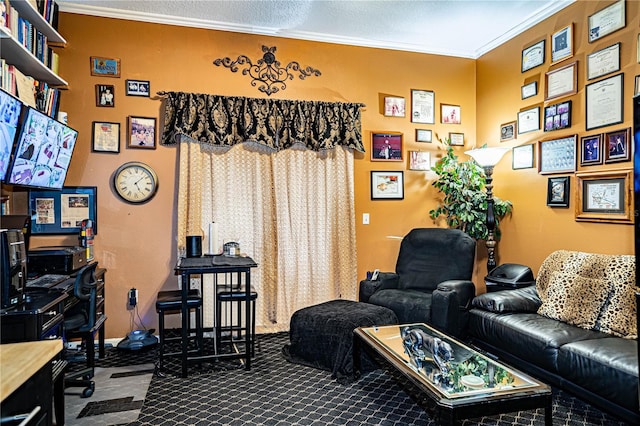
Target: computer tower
{"type": "Point", "coordinates": [13, 268]}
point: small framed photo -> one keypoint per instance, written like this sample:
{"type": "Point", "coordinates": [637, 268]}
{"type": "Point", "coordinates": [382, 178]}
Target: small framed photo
{"type": "Point", "coordinates": [557, 155]}
{"type": "Point", "coordinates": [456, 139]}
{"type": "Point", "coordinates": [557, 116]}
{"type": "Point", "coordinates": [424, 135]}
{"type": "Point", "coordinates": [386, 146]}
{"type": "Point", "coordinates": [387, 185]}
{"type": "Point", "coordinates": [105, 67]}
{"type": "Point", "coordinates": [419, 160]}
{"type": "Point", "coordinates": [562, 44]}
{"type": "Point", "coordinates": [533, 56]}
{"type": "Point", "coordinates": [618, 148]}
{"type": "Point", "coordinates": [138, 88]}
{"type": "Point", "coordinates": [529, 120]}
{"type": "Point", "coordinates": [529, 90]}
{"type": "Point", "coordinates": [607, 20]}
{"type": "Point", "coordinates": [105, 95]}
{"type": "Point", "coordinates": [522, 157]}
{"type": "Point", "coordinates": [142, 132]}
{"type": "Point", "coordinates": [423, 108]}
{"type": "Point", "coordinates": [604, 196]}
{"type": "Point", "coordinates": [507, 131]}
{"type": "Point", "coordinates": [561, 81]}
{"type": "Point", "coordinates": [591, 150]}
{"type": "Point", "coordinates": [394, 106]}
{"type": "Point", "coordinates": [558, 191]}
{"type": "Point", "coordinates": [450, 114]}
{"type": "Point", "coordinates": [105, 137]}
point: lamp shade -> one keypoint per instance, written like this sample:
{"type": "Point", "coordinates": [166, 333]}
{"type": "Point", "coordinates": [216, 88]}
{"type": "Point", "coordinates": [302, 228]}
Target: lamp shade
{"type": "Point", "coordinates": [487, 157]}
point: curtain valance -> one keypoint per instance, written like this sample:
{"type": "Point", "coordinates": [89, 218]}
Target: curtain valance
{"type": "Point", "coordinates": [274, 123]}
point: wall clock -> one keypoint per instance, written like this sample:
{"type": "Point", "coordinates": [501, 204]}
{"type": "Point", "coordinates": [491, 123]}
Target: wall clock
{"type": "Point", "coordinates": [135, 182]}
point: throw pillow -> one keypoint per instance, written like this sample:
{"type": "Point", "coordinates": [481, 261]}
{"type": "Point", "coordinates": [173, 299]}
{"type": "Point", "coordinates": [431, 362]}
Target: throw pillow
{"type": "Point", "coordinates": [618, 315]}
{"type": "Point", "coordinates": [574, 299]}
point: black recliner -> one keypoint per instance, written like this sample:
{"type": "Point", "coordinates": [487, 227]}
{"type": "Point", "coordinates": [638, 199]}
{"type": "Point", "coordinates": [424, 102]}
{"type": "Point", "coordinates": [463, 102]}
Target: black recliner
{"type": "Point", "coordinates": [79, 321]}
{"type": "Point", "coordinates": [432, 282]}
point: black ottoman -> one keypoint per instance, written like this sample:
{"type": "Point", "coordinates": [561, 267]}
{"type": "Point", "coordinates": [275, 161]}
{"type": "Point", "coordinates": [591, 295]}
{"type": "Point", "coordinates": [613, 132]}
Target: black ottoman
{"type": "Point", "coordinates": [321, 336]}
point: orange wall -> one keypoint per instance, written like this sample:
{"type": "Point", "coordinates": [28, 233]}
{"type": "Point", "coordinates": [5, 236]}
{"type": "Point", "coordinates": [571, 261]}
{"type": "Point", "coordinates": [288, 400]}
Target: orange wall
{"type": "Point", "coordinates": [137, 243]}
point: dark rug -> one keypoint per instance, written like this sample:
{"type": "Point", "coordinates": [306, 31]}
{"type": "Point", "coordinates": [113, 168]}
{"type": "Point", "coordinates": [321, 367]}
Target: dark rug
{"type": "Point", "coordinates": [276, 392]}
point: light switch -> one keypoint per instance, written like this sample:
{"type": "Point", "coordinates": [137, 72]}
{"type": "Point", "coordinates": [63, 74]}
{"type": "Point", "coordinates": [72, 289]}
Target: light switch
{"type": "Point", "coordinates": [365, 218]}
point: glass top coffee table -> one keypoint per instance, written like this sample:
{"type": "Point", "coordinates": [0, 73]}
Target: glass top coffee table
{"type": "Point", "coordinates": [456, 383]}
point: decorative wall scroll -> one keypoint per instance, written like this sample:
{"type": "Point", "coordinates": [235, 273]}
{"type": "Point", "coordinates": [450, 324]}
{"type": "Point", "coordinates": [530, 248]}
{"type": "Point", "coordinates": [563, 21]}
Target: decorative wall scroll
{"type": "Point", "coordinates": [267, 73]}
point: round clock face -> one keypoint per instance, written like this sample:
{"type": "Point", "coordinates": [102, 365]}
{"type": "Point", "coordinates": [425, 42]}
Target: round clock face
{"type": "Point", "coordinates": [135, 182]}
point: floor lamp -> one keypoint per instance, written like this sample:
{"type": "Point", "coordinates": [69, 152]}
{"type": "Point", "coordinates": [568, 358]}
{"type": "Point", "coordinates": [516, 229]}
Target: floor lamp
{"type": "Point", "coordinates": [487, 158]}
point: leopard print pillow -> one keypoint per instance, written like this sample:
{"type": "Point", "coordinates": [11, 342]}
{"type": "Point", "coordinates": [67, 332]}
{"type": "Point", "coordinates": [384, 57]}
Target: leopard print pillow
{"type": "Point", "coordinates": [574, 299]}
{"type": "Point", "coordinates": [618, 315]}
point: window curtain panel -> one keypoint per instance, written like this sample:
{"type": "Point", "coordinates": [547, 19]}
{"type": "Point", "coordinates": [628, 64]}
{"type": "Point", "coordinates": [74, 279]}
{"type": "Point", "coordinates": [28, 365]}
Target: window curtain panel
{"type": "Point", "coordinates": [291, 210]}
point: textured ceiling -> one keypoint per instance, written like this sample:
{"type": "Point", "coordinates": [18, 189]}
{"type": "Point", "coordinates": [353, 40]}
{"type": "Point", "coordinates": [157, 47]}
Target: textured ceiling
{"type": "Point", "coordinates": [464, 28]}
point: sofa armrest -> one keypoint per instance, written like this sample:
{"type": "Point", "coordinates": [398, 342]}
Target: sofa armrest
{"type": "Point", "coordinates": [368, 287]}
{"type": "Point", "coordinates": [450, 304]}
{"type": "Point", "coordinates": [521, 300]}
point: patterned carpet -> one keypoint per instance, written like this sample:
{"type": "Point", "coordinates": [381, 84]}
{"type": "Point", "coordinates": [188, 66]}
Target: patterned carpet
{"type": "Point", "coordinates": [276, 392]}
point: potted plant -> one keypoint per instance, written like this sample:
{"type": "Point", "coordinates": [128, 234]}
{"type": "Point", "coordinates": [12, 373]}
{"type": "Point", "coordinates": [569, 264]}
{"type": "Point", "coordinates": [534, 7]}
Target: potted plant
{"type": "Point", "coordinates": [464, 203]}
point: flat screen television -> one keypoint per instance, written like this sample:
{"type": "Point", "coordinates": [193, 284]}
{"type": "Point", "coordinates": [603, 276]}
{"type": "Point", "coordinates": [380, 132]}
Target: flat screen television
{"type": "Point", "coordinates": [43, 151]}
{"type": "Point", "coordinates": [10, 109]}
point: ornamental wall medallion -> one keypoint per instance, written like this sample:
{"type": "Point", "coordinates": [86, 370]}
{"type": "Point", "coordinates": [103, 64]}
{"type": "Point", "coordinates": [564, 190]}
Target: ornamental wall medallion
{"type": "Point", "coordinates": [267, 73]}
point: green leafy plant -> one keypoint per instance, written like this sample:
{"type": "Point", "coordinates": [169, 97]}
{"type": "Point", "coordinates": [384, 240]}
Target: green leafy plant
{"type": "Point", "coordinates": [464, 203]}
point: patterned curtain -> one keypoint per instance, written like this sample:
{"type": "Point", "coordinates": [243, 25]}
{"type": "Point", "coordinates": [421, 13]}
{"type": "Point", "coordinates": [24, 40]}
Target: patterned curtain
{"type": "Point", "coordinates": [273, 123]}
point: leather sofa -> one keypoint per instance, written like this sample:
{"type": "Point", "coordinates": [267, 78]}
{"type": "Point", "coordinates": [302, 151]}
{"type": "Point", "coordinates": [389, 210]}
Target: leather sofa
{"type": "Point", "coordinates": [576, 328]}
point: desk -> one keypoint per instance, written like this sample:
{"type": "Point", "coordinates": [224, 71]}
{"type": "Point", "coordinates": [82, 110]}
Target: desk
{"type": "Point", "coordinates": [241, 266]}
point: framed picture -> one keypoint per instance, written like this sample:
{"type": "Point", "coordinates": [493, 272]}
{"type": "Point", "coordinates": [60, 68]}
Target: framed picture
{"type": "Point", "coordinates": [457, 139]}
{"type": "Point", "coordinates": [557, 116]}
{"type": "Point", "coordinates": [562, 44]}
{"type": "Point", "coordinates": [386, 146]}
{"type": "Point", "coordinates": [105, 137]}
{"type": "Point", "coordinates": [529, 90]}
{"type": "Point", "coordinates": [638, 48]}
{"type": "Point", "coordinates": [419, 160]}
{"type": "Point", "coordinates": [561, 81]}
{"type": "Point", "coordinates": [450, 114]}
{"type": "Point", "coordinates": [142, 132]}
{"type": "Point", "coordinates": [604, 104]}
{"type": "Point", "coordinates": [105, 95]}
{"type": "Point", "coordinates": [604, 196]}
{"type": "Point", "coordinates": [636, 90]}
{"type": "Point", "coordinates": [62, 211]}
{"type": "Point", "coordinates": [557, 155]}
{"type": "Point", "coordinates": [522, 157]}
{"type": "Point", "coordinates": [393, 106]}
{"type": "Point", "coordinates": [423, 107]}
{"type": "Point", "coordinates": [507, 131]}
{"type": "Point", "coordinates": [607, 20]}
{"type": "Point", "coordinates": [138, 88]}
{"type": "Point", "coordinates": [529, 120]}
{"type": "Point", "coordinates": [558, 191]}
{"type": "Point", "coordinates": [618, 146]}
{"type": "Point", "coordinates": [387, 185]}
{"type": "Point", "coordinates": [533, 56]}
{"type": "Point", "coordinates": [105, 67]}
{"type": "Point", "coordinates": [591, 150]}
{"type": "Point", "coordinates": [604, 61]}
{"type": "Point", "coordinates": [424, 135]}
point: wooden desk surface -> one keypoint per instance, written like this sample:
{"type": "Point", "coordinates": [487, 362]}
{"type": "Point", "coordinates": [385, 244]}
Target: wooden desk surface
{"type": "Point", "coordinates": [19, 361]}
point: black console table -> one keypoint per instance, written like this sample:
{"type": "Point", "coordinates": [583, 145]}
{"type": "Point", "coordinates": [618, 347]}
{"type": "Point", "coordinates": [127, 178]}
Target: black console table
{"type": "Point", "coordinates": [220, 264]}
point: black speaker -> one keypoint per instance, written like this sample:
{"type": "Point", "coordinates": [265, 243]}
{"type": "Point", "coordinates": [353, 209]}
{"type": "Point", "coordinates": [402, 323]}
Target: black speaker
{"type": "Point", "coordinates": [194, 246]}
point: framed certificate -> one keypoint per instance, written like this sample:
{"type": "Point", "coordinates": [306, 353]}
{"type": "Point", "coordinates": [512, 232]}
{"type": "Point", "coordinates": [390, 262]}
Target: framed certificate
{"type": "Point", "coordinates": [606, 21]}
{"type": "Point", "coordinates": [557, 155]}
{"type": "Point", "coordinates": [562, 81]}
{"type": "Point", "coordinates": [423, 106]}
{"type": "Point", "coordinates": [529, 120]}
{"type": "Point", "coordinates": [529, 90]}
{"type": "Point", "coordinates": [533, 56]}
{"type": "Point", "coordinates": [522, 157]}
{"type": "Point", "coordinates": [604, 102]}
{"type": "Point", "coordinates": [603, 62]}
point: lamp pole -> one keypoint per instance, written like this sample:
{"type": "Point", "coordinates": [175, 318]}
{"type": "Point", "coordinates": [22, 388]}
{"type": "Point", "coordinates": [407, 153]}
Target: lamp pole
{"type": "Point", "coordinates": [491, 220]}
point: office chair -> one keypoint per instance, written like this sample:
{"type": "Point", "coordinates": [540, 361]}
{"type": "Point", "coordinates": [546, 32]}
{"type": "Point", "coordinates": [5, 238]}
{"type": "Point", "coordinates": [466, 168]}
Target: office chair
{"type": "Point", "coordinates": [79, 321]}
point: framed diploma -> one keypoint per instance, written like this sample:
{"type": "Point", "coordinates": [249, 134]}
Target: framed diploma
{"type": "Point", "coordinates": [423, 106]}
{"type": "Point", "coordinates": [604, 102]}
{"type": "Point", "coordinates": [529, 90]}
{"type": "Point", "coordinates": [561, 81]}
{"type": "Point", "coordinates": [606, 21]}
{"type": "Point", "coordinates": [603, 62]}
{"type": "Point", "coordinates": [529, 120]}
{"type": "Point", "coordinates": [557, 155]}
{"type": "Point", "coordinates": [533, 56]}
{"type": "Point", "coordinates": [604, 196]}
{"type": "Point", "coordinates": [522, 157]}
{"type": "Point", "coordinates": [562, 44]}
{"type": "Point", "coordinates": [105, 137]}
